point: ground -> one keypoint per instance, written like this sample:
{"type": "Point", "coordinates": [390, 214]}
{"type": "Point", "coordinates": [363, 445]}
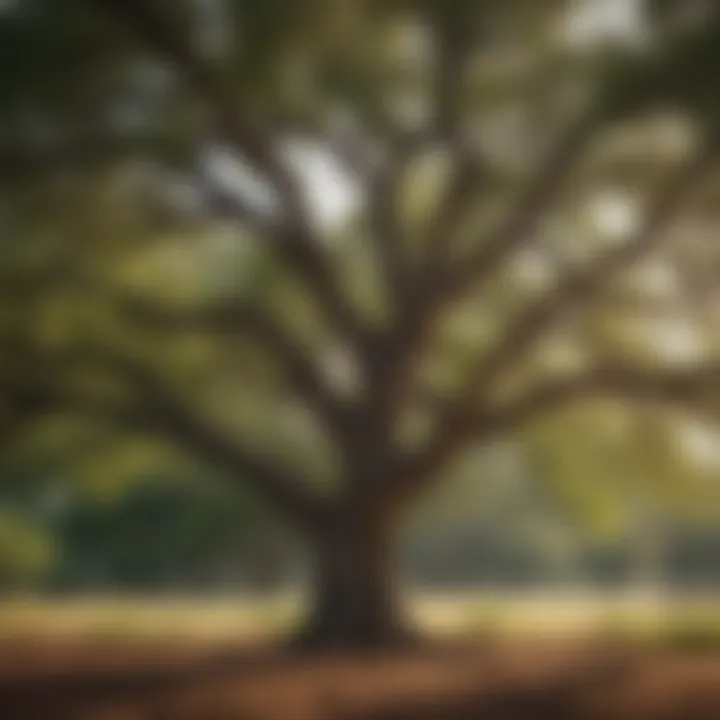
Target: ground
{"type": "Point", "coordinates": [145, 661]}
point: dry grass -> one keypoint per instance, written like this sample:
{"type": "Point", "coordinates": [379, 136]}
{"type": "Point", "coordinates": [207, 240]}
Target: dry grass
{"type": "Point", "coordinates": [447, 613]}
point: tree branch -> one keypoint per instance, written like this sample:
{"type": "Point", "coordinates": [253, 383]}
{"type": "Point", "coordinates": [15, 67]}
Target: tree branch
{"type": "Point", "coordinates": [163, 36]}
{"type": "Point", "coordinates": [431, 295]}
{"type": "Point", "coordinates": [157, 409]}
{"type": "Point", "coordinates": [278, 485]}
{"type": "Point", "coordinates": [584, 282]}
{"type": "Point", "coordinates": [296, 242]}
{"type": "Point", "coordinates": [687, 388]}
{"type": "Point", "coordinates": [462, 421]}
{"type": "Point", "coordinates": [517, 228]}
{"type": "Point", "coordinates": [454, 32]}
{"type": "Point", "coordinates": [241, 317]}
{"type": "Point", "coordinates": [385, 231]}
{"type": "Point", "coordinates": [390, 363]}
{"type": "Point", "coordinates": [684, 388]}
{"type": "Point", "coordinates": [462, 188]}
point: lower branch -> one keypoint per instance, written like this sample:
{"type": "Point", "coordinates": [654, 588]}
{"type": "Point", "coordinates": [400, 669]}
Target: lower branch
{"type": "Point", "coordinates": [154, 407]}
{"type": "Point", "coordinates": [694, 389]}
{"type": "Point", "coordinates": [587, 281]}
{"type": "Point", "coordinates": [697, 389]}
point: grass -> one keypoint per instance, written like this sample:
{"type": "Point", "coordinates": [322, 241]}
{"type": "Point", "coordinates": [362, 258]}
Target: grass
{"type": "Point", "coordinates": [687, 623]}
{"type": "Point", "coordinates": [109, 617]}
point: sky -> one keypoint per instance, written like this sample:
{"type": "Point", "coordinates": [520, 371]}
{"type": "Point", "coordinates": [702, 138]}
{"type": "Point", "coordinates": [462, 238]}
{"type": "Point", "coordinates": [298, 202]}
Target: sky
{"type": "Point", "coordinates": [598, 20]}
{"type": "Point", "coordinates": [330, 192]}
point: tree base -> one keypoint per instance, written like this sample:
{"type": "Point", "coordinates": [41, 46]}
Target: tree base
{"type": "Point", "coordinates": [354, 604]}
{"type": "Point", "coordinates": [330, 634]}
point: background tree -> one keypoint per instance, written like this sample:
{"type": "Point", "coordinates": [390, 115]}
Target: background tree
{"type": "Point", "coordinates": [166, 274]}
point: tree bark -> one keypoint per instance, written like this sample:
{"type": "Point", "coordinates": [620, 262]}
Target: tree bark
{"type": "Point", "coordinates": [355, 603]}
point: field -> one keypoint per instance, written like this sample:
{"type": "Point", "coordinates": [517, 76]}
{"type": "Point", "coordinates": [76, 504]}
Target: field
{"type": "Point", "coordinates": [488, 657]}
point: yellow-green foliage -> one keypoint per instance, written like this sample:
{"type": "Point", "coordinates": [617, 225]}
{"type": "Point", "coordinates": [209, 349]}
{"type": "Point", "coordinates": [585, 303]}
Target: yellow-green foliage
{"type": "Point", "coordinates": [26, 551]}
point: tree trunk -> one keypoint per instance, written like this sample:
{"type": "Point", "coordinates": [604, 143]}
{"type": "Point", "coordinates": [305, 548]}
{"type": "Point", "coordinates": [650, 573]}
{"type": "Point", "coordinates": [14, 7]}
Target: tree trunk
{"type": "Point", "coordinates": [355, 603]}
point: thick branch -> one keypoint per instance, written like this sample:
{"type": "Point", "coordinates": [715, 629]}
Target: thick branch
{"type": "Point", "coordinates": [243, 318]}
{"type": "Point", "coordinates": [306, 259]}
{"type": "Point", "coordinates": [390, 362]}
{"type": "Point", "coordinates": [296, 243]}
{"type": "Point", "coordinates": [385, 231]}
{"type": "Point", "coordinates": [518, 227]}
{"type": "Point", "coordinates": [237, 318]}
{"type": "Point", "coordinates": [462, 421]}
{"type": "Point", "coordinates": [438, 288]}
{"type": "Point", "coordinates": [585, 282]}
{"type": "Point", "coordinates": [278, 485]}
{"type": "Point", "coordinates": [454, 33]}
{"type": "Point", "coordinates": [156, 408]}
{"type": "Point", "coordinates": [157, 30]}
{"type": "Point", "coordinates": [463, 187]}
{"type": "Point", "coordinates": [391, 355]}
{"type": "Point", "coordinates": [687, 388]}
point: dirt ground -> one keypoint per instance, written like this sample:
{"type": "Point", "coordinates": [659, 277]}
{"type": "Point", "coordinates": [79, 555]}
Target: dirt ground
{"type": "Point", "coordinates": [114, 680]}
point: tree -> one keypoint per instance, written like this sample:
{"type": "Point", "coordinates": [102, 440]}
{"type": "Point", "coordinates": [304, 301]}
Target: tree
{"type": "Point", "coordinates": [477, 134]}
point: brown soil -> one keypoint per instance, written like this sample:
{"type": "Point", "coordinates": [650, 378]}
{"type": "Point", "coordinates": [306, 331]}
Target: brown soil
{"type": "Point", "coordinates": [111, 680]}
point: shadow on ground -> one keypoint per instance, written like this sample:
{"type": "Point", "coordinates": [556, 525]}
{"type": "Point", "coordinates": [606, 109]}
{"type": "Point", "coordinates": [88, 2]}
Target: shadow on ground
{"type": "Point", "coordinates": [508, 681]}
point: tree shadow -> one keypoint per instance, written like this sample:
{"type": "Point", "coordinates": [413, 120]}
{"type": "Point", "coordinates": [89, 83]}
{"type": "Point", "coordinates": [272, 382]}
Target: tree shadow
{"type": "Point", "coordinates": [59, 694]}
{"type": "Point", "coordinates": [558, 698]}
{"type": "Point", "coordinates": [487, 689]}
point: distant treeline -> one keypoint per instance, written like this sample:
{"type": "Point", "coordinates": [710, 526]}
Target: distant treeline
{"type": "Point", "coordinates": [184, 537]}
